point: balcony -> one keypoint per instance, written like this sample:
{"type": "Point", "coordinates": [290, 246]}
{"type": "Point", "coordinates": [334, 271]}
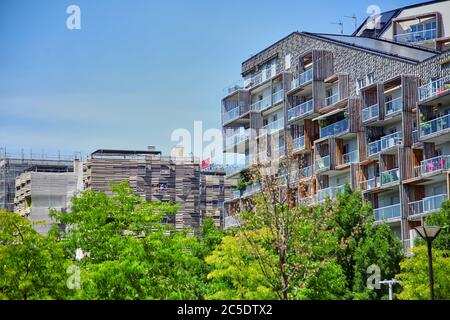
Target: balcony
{"type": "Point", "coordinates": [262, 104]}
{"type": "Point", "coordinates": [390, 177]}
{"type": "Point", "coordinates": [261, 76]}
{"type": "Point", "coordinates": [231, 222]}
{"type": "Point", "coordinates": [393, 106]}
{"type": "Point", "coordinates": [274, 126]}
{"type": "Point", "coordinates": [370, 113]}
{"type": "Point", "coordinates": [237, 138]}
{"type": "Point", "coordinates": [351, 157]}
{"type": "Point", "coordinates": [305, 172]}
{"type": "Point", "coordinates": [307, 200]}
{"type": "Point", "coordinates": [329, 193]}
{"type": "Point", "coordinates": [231, 115]}
{"type": "Point", "coordinates": [438, 125]}
{"type": "Point", "coordinates": [432, 165]}
{"type": "Point", "coordinates": [300, 110]}
{"type": "Point", "coordinates": [434, 88]}
{"type": "Point", "coordinates": [277, 97]}
{"type": "Point", "coordinates": [388, 213]}
{"type": "Point", "coordinates": [322, 164]}
{"type": "Point", "coordinates": [231, 170]}
{"type": "Point", "coordinates": [251, 189]}
{"type": "Point", "coordinates": [417, 36]}
{"type": "Point", "coordinates": [299, 143]}
{"type": "Point", "coordinates": [303, 78]}
{"type": "Point", "coordinates": [332, 99]}
{"type": "Point", "coordinates": [384, 143]}
{"type": "Point", "coordinates": [370, 184]}
{"type": "Point", "coordinates": [334, 129]}
{"type": "Point", "coordinates": [427, 205]}
{"type": "Point", "coordinates": [415, 136]}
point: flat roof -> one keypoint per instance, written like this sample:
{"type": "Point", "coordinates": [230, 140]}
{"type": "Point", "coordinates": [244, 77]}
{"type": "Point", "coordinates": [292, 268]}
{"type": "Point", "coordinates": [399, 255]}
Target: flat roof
{"type": "Point", "coordinates": [125, 152]}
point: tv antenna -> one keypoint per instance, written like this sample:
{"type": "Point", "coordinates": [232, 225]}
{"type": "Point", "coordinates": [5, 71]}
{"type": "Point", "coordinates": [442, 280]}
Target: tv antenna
{"type": "Point", "coordinates": [341, 26]}
{"type": "Point", "coordinates": [355, 20]}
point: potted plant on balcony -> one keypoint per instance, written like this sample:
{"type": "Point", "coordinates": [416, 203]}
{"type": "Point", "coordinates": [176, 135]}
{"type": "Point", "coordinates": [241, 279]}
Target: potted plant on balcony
{"type": "Point", "coordinates": [243, 182]}
{"type": "Point", "coordinates": [424, 125]}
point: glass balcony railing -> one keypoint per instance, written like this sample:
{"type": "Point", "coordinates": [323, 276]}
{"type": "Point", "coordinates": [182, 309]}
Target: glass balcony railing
{"type": "Point", "coordinates": [387, 213]}
{"type": "Point", "coordinates": [302, 79]}
{"type": "Point", "coordinates": [432, 165]}
{"type": "Point", "coordinates": [351, 157]}
{"type": "Point", "coordinates": [334, 129]}
{"type": "Point", "coordinates": [262, 104]}
{"type": "Point", "coordinates": [251, 189]}
{"type": "Point", "coordinates": [370, 113]}
{"type": "Point", "coordinates": [434, 88]}
{"type": "Point", "coordinates": [427, 205]}
{"type": "Point", "coordinates": [236, 194]}
{"type": "Point", "coordinates": [274, 126]}
{"type": "Point", "coordinates": [415, 136]}
{"type": "Point", "coordinates": [299, 143]}
{"type": "Point", "coordinates": [384, 143]}
{"type": "Point", "coordinates": [300, 110]}
{"type": "Point", "coordinates": [322, 164]}
{"type": "Point", "coordinates": [370, 184]}
{"type": "Point", "coordinates": [332, 99]}
{"type": "Point", "coordinates": [329, 192]}
{"type": "Point", "coordinates": [307, 200]}
{"type": "Point", "coordinates": [435, 125]}
{"type": "Point", "coordinates": [231, 115]}
{"type": "Point", "coordinates": [416, 36]}
{"type": "Point", "coordinates": [305, 172]}
{"type": "Point", "coordinates": [394, 106]}
{"type": "Point", "coordinates": [390, 176]}
{"type": "Point", "coordinates": [231, 222]}
{"type": "Point", "coordinates": [237, 138]}
{"type": "Point", "coordinates": [277, 97]}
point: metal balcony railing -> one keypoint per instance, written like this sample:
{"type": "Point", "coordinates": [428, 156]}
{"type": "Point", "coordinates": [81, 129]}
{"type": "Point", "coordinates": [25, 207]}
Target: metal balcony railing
{"type": "Point", "coordinates": [299, 143]}
{"type": "Point", "coordinates": [322, 164]}
{"type": "Point", "coordinates": [274, 126]}
{"type": "Point", "coordinates": [231, 114]}
{"type": "Point", "coordinates": [370, 113]}
{"type": "Point", "coordinates": [427, 205]}
{"type": "Point", "coordinates": [394, 106]}
{"type": "Point", "coordinates": [416, 36]}
{"type": "Point", "coordinates": [387, 213]}
{"type": "Point", "coordinates": [277, 97]}
{"type": "Point", "coordinates": [262, 104]}
{"type": "Point", "coordinates": [432, 165]}
{"type": "Point", "coordinates": [300, 110]}
{"type": "Point", "coordinates": [435, 125]}
{"type": "Point", "coordinates": [302, 79]}
{"type": "Point", "coordinates": [384, 143]}
{"type": "Point", "coordinates": [261, 76]}
{"type": "Point", "coordinates": [334, 129]}
{"type": "Point", "coordinates": [434, 88]}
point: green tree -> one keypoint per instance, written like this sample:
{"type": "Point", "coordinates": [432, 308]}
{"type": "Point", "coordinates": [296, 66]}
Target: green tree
{"type": "Point", "coordinates": [32, 266]}
{"type": "Point", "coordinates": [441, 218]}
{"type": "Point", "coordinates": [414, 275]}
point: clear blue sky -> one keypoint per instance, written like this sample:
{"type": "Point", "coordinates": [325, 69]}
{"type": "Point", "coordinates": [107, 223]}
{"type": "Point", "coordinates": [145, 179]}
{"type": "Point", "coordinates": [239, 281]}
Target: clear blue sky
{"type": "Point", "coordinates": [137, 69]}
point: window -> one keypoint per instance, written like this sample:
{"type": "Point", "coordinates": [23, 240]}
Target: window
{"type": "Point", "coordinates": [141, 169]}
{"type": "Point", "coordinates": [360, 83]}
{"type": "Point", "coordinates": [370, 78]}
{"type": "Point", "coordinates": [287, 61]}
{"type": "Point", "coordinates": [423, 31]}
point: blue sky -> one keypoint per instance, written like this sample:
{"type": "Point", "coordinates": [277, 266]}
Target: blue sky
{"type": "Point", "coordinates": [137, 70]}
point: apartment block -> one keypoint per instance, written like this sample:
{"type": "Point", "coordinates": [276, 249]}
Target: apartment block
{"type": "Point", "coordinates": [368, 109]}
{"type": "Point", "coordinates": [175, 179]}
{"type": "Point", "coordinates": [42, 188]}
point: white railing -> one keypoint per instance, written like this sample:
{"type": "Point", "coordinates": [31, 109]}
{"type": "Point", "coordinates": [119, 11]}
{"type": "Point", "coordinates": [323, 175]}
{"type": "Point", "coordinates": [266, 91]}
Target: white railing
{"type": "Point", "coordinates": [302, 79]}
{"type": "Point", "coordinates": [274, 126]}
{"type": "Point", "coordinates": [394, 106]}
{"type": "Point", "coordinates": [335, 128]}
{"type": "Point", "coordinates": [427, 205]}
{"type": "Point", "coordinates": [435, 125]}
{"type": "Point", "coordinates": [300, 110]}
{"type": "Point", "coordinates": [329, 192]}
{"type": "Point", "coordinates": [416, 36]}
{"type": "Point", "coordinates": [384, 143]}
{"type": "Point", "coordinates": [351, 157]}
{"type": "Point", "coordinates": [261, 104]}
{"type": "Point", "coordinates": [432, 165]}
{"type": "Point", "coordinates": [370, 113]}
{"type": "Point", "coordinates": [387, 213]}
{"type": "Point", "coordinates": [238, 138]}
{"type": "Point", "coordinates": [390, 176]}
{"type": "Point", "coordinates": [322, 164]}
{"type": "Point", "coordinates": [277, 97]}
{"type": "Point", "coordinates": [231, 114]}
{"type": "Point", "coordinates": [299, 143]}
{"type": "Point", "coordinates": [434, 88]}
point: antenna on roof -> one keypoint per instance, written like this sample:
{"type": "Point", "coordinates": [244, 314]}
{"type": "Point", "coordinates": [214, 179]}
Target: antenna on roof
{"type": "Point", "coordinates": [355, 20]}
{"type": "Point", "coordinates": [341, 26]}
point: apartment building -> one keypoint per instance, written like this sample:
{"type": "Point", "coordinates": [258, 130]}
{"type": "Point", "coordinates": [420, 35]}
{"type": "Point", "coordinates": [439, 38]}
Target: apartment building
{"type": "Point", "coordinates": [44, 187]}
{"type": "Point", "coordinates": [368, 109]}
{"type": "Point", "coordinates": [175, 179]}
{"type": "Point", "coordinates": [13, 165]}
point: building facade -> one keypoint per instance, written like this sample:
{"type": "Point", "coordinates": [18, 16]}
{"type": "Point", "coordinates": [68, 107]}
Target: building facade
{"type": "Point", "coordinates": [368, 109]}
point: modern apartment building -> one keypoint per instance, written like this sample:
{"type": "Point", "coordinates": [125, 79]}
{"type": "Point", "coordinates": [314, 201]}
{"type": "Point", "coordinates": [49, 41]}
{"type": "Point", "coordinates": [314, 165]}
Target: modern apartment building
{"type": "Point", "coordinates": [175, 179]}
{"type": "Point", "coordinates": [368, 109]}
{"type": "Point", "coordinates": [41, 188]}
